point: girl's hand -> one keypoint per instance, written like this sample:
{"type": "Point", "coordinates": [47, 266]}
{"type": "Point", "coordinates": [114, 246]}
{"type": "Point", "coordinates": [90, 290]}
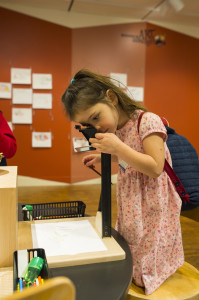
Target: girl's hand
{"type": "Point", "coordinates": [106, 143]}
{"type": "Point", "coordinates": [91, 160]}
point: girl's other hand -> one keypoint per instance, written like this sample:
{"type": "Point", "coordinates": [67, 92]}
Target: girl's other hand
{"type": "Point", "coordinates": [91, 159]}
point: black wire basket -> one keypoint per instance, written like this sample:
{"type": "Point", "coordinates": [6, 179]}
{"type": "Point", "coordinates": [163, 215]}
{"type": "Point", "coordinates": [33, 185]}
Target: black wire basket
{"type": "Point", "coordinates": [55, 210]}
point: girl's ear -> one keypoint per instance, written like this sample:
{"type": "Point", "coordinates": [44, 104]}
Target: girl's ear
{"type": "Point", "coordinates": [112, 96]}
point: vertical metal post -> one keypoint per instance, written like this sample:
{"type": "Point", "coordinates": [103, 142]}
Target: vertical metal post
{"type": "Point", "coordinates": [106, 194]}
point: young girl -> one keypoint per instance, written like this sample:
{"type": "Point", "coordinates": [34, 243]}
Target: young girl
{"type": "Point", "coordinates": [148, 204]}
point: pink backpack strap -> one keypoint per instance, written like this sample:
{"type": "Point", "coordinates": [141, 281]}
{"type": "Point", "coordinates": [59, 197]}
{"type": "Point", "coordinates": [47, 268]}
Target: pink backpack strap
{"type": "Point", "coordinates": [168, 169]}
{"type": "Point", "coordinates": [139, 120]}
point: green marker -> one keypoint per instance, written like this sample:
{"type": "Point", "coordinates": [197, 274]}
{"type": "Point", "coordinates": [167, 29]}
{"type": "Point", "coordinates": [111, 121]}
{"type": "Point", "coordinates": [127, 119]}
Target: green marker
{"type": "Point", "coordinates": [33, 269]}
{"type": "Point", "coordinates": [29, 211]}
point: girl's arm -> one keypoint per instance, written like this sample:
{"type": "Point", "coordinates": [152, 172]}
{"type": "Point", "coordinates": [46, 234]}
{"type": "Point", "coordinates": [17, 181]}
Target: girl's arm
{"type": "Point", "coordinates": [151, 162]}
{"type": "Point", "coordinates": [114, 158]}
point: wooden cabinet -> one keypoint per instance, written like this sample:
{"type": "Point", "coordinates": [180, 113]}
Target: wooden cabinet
{"type": "Point", "coordinates": [8, 215]}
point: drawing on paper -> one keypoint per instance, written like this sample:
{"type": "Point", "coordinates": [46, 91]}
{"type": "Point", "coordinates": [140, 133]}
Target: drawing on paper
{"type": "Point", "coordinates": [22, 116]}
{"type": "Point", "coordinates": [42, 81]}
{"type": "Point", "coordinates": [136, 93]}
{"type": "Point", "coordinates": [5, 90]}
{"type": "Point", "coordinates": [22, 96]}
{"type": "Point", "coordinates": [41, 139]}
{"type": "Point", "coordinates": [42, 101]}
{"type": "Point", "coordinates": [20, 76]}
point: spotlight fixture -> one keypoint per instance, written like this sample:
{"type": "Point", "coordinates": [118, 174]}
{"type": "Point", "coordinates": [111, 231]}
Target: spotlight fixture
{"type": "Point", "coordinates": [160, 40]}
{"type": "Point", "coordinates": [176, 4]}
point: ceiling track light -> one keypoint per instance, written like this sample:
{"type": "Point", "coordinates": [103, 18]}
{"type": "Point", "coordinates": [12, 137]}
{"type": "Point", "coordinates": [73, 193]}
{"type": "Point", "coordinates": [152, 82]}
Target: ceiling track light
{"type": "Point", "coordinates": [176, 4]}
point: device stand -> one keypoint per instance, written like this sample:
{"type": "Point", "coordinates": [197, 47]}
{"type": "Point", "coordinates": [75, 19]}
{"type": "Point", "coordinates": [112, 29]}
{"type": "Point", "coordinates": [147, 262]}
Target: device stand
{"type": "Point", "coordinates": [105, 198]}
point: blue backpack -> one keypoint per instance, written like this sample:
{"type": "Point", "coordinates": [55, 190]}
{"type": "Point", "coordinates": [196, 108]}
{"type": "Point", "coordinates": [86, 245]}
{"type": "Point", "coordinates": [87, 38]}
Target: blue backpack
{"type": "Point", "coordinates": [185, 171]}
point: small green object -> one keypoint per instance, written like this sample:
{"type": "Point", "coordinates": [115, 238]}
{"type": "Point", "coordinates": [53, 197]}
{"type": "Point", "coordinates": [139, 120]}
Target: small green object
{"type": "Point", "coordinates": [29, 207]}
{"type": "Point", "coordinates": [33, 269]}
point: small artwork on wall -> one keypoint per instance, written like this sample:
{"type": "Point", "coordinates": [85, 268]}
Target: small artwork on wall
{"type": "Point", "coordinates": [119, 79]}
{"type": "Point", "coordinates": [80, 144]}
{"type": "Point", "coordinates": [5, 90]}
{"type": "Point", "coordinates": [21, 115]}
{"type": "Point", "coordinates": [42, 101]}
{"type": "Point", "coordinates": [41, 139]}
{"type": "Point", "coordinates": [22, 96]}
{"type": "Point", "coordinates": [20, 76]}
{"type": "Point", "coordinates": [42, 81]}
{"type": "Point", "coordinates": [10, 125]}
{"type": "Point", "coordinates": [136, 93]}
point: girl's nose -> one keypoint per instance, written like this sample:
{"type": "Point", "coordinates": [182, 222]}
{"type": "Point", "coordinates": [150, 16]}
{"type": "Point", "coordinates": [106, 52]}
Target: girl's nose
{"type": "Point", "coordinates": [97, 127]}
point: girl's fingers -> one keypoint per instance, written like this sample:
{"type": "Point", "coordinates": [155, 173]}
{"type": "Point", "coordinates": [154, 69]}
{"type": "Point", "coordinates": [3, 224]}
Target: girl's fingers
{"type": "Point", "coordinates": [89, 164]}
{"type": "Point", "coordinates": [87, 158]}
{"type": "Point", "coordinates": [99, 136]}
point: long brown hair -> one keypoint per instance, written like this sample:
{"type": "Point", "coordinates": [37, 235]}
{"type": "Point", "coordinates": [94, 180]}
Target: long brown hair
{"type": "Point", "coordinates": [88, 88]}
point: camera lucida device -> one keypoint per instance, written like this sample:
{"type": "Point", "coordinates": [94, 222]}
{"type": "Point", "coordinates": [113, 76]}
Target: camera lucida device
{"type": "Point", "coordinates": [88, 132]}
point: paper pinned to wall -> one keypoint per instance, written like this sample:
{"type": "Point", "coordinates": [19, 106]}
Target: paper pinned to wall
{"type": "Point", "coordinates": [22, 115]}
{"type": "Point", "coordinates": [42, 101]}
{"type": "Point", "coordinates": [80, 144]}
{"type": "Point", "coordinates": [119, 79]}
{"type": "Point", "coordinates": [20, 76]}
{"type": "Point", "coordinates": [22, 96]}
{"type": "Point", "coordinates": [136, 93]}
{"type": "Point", "coordinates": [5, 90]}
{"type": "Point", "coordinates": [41, 139]}
{"type": "Point", "coordinates": [66, 238]}
{"type": "Point", "coordinates": [42, 81]}
{"type": "Point", "coordinates": [10, 125]}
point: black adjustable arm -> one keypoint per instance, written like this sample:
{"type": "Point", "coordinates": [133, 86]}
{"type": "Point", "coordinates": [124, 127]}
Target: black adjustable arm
{"type": "Point", "coordinates": [105, 197]}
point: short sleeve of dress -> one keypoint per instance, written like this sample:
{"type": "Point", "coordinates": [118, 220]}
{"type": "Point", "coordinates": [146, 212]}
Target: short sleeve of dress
{"type": "Point", "coordinates": [151, 123]}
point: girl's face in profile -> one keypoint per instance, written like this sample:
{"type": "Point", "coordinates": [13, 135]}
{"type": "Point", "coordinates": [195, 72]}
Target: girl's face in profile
{"type": "Point", "coordinates": [101, 116]}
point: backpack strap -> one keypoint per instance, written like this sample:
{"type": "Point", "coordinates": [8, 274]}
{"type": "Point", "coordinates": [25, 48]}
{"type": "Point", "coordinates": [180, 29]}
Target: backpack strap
{"type": "Point", "coordinates": [139, 120]}
{"type": "Point", "coordinates": [176, 182]}
{"type": "Point", "coordinates": [170, 172]}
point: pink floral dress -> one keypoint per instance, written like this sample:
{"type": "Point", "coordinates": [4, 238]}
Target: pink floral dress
{"type": "Point", "coordinates": [149, 211]}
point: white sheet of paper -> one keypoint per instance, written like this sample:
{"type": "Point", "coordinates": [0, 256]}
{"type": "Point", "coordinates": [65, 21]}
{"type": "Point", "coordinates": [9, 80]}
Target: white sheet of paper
{"type": "Point", "coordinates": [22, 115]}
{"type": "Point", "coordinates": [42, 101]}
{"type": "Point", "coordinates": [136, 93]}
{"type": "Point", "coordinates": [20, 76]}
{"type": "Point", "coordinates": [5, 90]}
{"type": "Point", "coordinates": [10, 125]}
{"type": "Point", "coordinates": [66, 238]}
{"type": "Point", "coordinates": [41, 139]}
{"type": "Point", "coordinates": [22, 96]}
{"type": "Point", "coordinates": [42, 81]}
{"type": "Point", "coordinates": [119, 79]}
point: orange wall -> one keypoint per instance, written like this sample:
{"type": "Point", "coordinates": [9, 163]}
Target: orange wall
{"type": "Point", "coordinates": [44, 47]}
{"type": "Point", "coordinates": [172, 82]}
